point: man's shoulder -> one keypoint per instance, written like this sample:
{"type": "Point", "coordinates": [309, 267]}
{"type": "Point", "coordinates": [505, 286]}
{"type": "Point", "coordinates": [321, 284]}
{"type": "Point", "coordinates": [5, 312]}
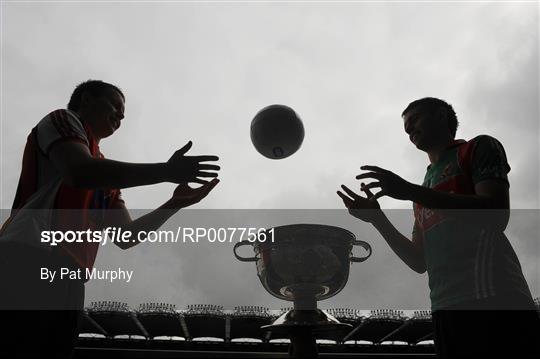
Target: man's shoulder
{"type": "Point", "coordinates": [480, 143]}
{"type": "Point", "coordinates": [486, 158]}
{"type": "Point", "coordinates": [484, 140]}
{"type": "Point", "coordinates": [62, 116]}
{"type": "Point", "coordinates": [60, 125]}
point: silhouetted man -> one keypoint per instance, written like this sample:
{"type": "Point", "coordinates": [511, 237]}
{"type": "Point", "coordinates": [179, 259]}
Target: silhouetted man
{"type": "Point", "coordinates": [480, 300]}
{"type": "Point", "coordinates": [64, 170]}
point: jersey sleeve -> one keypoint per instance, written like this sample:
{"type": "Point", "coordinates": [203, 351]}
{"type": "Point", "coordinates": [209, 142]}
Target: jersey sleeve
{"type": "Point", "coordinates": [57, 126]}
{"type": "Point", "coordinates": [489, 160]}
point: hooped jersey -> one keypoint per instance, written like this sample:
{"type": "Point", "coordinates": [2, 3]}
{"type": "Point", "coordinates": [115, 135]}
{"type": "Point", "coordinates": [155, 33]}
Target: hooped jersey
{"type": "Point", "coordinates": [466, 261]}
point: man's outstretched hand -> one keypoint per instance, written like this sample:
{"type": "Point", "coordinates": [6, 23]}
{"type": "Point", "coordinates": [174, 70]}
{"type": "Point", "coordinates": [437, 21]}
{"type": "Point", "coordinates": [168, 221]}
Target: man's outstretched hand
{"type": "Point", "coordinates": [364, 208]}
{"type": "Point", "coordinates": [185, 196]}
{"type": "Point", "coordinates": [390, 183]}
{"type": "Point", "coordinates": [183, 169]}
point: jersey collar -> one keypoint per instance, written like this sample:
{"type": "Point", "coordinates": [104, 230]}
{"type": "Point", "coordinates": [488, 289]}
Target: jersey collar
{"type": "Point", "coordinates": [455, 143]}
{"type": "Point", "coordinates": [92, 141]}
{"type": "Point", "coordinates": [451, 145]}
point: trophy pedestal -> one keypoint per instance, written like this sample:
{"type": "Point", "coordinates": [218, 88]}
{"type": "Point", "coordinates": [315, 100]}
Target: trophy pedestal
{"type": "Point", "coordinates": [302, 325]}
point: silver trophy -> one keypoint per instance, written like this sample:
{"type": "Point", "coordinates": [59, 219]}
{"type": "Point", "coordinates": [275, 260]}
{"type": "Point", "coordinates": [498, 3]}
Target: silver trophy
{"type": "Point", "coordinates": [304, 263]}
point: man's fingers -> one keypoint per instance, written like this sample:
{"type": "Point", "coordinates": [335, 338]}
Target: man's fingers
{"type": "Point", "coordinates": [374, 175]}
{"type": "Point", "coordinates": [209, 167]}
{"type": "Point", "coordinates": [204, 182]}
{"type": "Point", "coordinates": [371, 185]}
{"type": "Point", "coordinates": [206, 174]}
{"type": "Point", "coordinates": [374, 169]}
{"type": "Point", "coordinates": [186, 147]}
{"type": "Point", "coordinates": [343, 195]}
{"type": "Point", "coordinates": [377, 195]}
{"type": "Point", "coordinates": [205, 158]}
{"type": "Point", "coordinates": [205, 189]}
{"type": "Point", "coordinates": [346, 200]}
{"type": "Point", "coordinates": [349, 192]}
{"type": "Point", "coordinates": [208, 185]}
{"type": "Point", "coordinates": [213, 183]}
{"type": "Point", "coordinates": [367, 191]}
{"type": "Point", "coordinates": [200, 181]}
{"type": "Point", "coordinates": [197, 194]}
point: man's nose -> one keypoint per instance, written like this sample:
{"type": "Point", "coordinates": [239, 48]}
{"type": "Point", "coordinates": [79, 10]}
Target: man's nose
{"type": "Point", "coordinates": [409, 127]}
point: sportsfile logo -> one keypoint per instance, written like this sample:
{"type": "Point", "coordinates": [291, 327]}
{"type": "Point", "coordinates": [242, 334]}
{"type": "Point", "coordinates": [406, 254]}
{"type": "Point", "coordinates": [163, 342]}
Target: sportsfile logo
{"type": "Point", "coordinates": [182, 234]}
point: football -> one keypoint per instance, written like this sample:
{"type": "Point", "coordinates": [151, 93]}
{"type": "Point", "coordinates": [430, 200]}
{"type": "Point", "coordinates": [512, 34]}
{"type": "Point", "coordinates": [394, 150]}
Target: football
{"type": "Point", "coordinates": [277, 131]}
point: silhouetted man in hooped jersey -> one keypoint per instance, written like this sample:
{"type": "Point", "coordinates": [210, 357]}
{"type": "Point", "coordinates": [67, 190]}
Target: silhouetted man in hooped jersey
{"type": "Point", "coordinates": [64, 169]}
{"type": "Point", "coordinates": [480, 300]}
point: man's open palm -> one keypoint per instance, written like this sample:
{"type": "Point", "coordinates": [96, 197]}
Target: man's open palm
{"type": "Point", "coordinates": [185, 196]}
{"type": "Point", "coordinates": [363, 208]}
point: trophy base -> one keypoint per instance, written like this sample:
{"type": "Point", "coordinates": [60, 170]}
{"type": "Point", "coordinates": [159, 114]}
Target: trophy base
{"type": "Point", "coordinates": [302, 327]}
{"type": "Point", "coordinates": [315, 320]}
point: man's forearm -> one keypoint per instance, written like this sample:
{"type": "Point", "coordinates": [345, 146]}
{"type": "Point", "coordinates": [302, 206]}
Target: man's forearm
{"type": "Point", "coordinates": [478, 210]}
{"type": "Point", "coordinates": [105, 173]}
{"type": "Point", "coordinates": [434, 199]}
{"type": "Point", "coordinates": [401, 245]}
{"type": "Point", "coordinates": [150, 221]}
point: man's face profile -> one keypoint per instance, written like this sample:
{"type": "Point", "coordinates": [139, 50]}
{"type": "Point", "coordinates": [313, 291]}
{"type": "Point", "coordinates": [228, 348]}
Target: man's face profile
{"type": "Point", "coordinates": [425, 127]}
{"type": "Point", "coordinates": [106, 112]}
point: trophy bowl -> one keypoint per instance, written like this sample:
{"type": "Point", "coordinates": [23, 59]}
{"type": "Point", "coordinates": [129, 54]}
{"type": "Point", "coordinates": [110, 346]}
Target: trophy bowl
{"type": "Point", "coordinates": [304, 263]}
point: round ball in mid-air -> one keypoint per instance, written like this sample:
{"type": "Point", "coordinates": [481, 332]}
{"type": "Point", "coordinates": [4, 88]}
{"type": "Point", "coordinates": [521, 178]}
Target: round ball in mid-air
{"type": "Point", "coordinates": [277, 131]}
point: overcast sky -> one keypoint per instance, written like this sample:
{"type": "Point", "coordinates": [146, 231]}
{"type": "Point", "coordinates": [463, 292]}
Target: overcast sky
{"type": "Point", "coordinates": [200, 72]}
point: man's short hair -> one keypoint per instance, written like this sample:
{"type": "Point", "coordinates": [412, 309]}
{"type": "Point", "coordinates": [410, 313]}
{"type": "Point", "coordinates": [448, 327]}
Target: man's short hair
{"type": "Point", "coordinates": [94, 87]}
{"type": "Point", "coordinates": [431, 104]}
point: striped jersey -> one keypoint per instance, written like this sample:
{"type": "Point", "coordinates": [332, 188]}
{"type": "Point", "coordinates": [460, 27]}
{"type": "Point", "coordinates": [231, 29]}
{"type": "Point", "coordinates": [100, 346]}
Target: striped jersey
{"type": "Point", "coordinates": [466, 261]}
{"type": "Point", "coordinates": [74, 208]}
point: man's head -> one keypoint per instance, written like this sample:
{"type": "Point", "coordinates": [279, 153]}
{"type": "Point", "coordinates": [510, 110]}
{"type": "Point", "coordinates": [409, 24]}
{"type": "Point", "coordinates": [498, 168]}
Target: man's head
{"type": "Point", "coordinates": [430, 123]}
{"type": "Point", "coordinates": [99, 104]}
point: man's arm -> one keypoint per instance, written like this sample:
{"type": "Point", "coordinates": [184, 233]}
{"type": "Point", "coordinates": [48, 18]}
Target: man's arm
{"type": "Point", "coordinates": [489, 194]}
{"type": "Point", "coordinates": [489, 205]}
{"type": "Point", "coordinates": [78, 168]}
{"type": "Point", "coordinates": [121, 218]}
{"type": "Point", "coordinates": [410, 252]}
{"type": "Point", "coordinates": [183, 196]}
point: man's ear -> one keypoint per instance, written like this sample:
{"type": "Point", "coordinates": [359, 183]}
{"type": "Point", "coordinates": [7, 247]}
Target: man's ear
{"type": "Point", "coordinates": [442, 115]}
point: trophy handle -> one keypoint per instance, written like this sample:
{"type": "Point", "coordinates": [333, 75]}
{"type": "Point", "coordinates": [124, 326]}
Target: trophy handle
{"type": "Point", "coordinates": [364, 245]}
{"type": "Point", "coordinates": [243, 259]}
